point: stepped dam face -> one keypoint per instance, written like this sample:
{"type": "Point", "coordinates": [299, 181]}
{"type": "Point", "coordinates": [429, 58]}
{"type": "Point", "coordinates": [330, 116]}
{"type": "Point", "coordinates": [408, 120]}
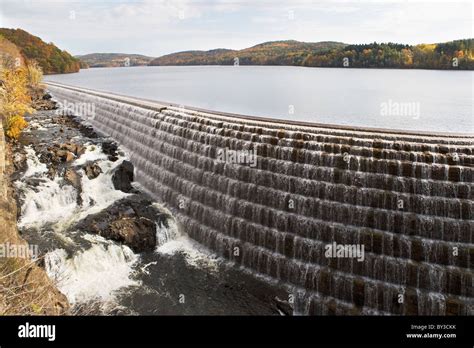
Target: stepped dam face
{"type": "Point", "coordinates": [353, 221]}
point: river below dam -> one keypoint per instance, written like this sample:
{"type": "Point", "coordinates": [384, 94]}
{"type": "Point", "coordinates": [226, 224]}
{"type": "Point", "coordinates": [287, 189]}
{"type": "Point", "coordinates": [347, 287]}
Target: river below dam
{"type": "Point", "coordinates": [422, 100]}
{"type": "Point", "coordinates": [62, 200]}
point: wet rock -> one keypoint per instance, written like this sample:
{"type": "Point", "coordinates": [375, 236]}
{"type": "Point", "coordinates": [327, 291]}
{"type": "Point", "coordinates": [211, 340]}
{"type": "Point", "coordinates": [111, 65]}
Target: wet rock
{"type": "Point", "coordinates": [74, 122]}
{"type": "Point", "coordinates": [131, 221]}
{"type": "Point", "coordinates": [138, 233]}
{"type": "Point", "coordinates": [34, 182]}
{"type": "Point", "coordinates": [71, 176]}
{"type": "Point", "coordinates": [19, 161]}
{"type": "Point", "coordinates": [76, 149]}
{"type": "Point", "coordinates": [41, 100]}
{"type": "Point", "coordinates": [123, 176]}
{"type": "Point", "coordinates": [51, 172]}
{"type": "Point", "coordinates": [65, 156]}
{"type": "Point", "coordinates": [92, 170]}
{"type": "Point", "coordinates": [110, 149]}
{"type": "Point", "coordinates": [87, 131]}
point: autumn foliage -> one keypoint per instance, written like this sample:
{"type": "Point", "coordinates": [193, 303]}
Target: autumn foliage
{"type": "Point", "coordinates": [15, 100]}
{"type": "Point", "coordinates": [457, 54]}
{"type": "Point", "coordinates": [50, 58]}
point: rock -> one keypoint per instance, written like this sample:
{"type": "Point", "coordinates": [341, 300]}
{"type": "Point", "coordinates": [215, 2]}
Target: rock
{"type": "Point", "coordinates": [73, 178]}
{"type": "Point", "coordinates": [74, 148]}
{"type": "Point", "coordinates": [51, 172]}
{"type": "Point", "coordinates": [138, 233]}
{"type": "Point", "coordinates": [42, 101]}
{"type": "Point", "coordinates": [92, 170]}
{"type": "Point", "coordinates": [127, 221]}
{"type": "Point", "coordinates": [65, 156]}
{"type": "Point", "coordinates": [110, 149]}
{"type": "Point", "coordinates": [34, 182]}
{"type": "Point", "coordinates": [123, 176]}
{"type": "Point", "coordinates": [87, 131]}
{"type": "Point", "coordinates": [19, 161]}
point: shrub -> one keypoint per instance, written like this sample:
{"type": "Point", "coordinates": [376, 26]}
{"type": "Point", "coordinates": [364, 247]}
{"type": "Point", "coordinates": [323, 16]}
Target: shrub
{"type": "Point", "coordinates": [14, 100]}
{"type": "Point", "coordinates": [34, 74]}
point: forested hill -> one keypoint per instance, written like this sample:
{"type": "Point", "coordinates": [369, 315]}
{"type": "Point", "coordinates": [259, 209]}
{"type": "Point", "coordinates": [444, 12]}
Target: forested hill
{"type": "Point", "coordinates": [99, 60]}
{"type": "Point", "coordinates": [268, 53]}
{"type": "Point", "coordinates": [51, 59]}
{"type": "Point", "coordinates": [457, 54]}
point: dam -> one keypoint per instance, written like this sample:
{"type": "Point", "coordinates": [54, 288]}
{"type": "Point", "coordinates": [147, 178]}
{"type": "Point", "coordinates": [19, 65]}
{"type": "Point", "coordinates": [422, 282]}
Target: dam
{"type": "Point", "coordinates": [406, 197]}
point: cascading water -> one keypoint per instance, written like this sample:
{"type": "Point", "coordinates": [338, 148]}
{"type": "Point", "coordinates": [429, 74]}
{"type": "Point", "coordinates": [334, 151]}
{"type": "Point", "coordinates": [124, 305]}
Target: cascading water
{"type": "Point", "coordinates": [85, 228]}
{"type": "Point", "coordinates": [406, 197]}
{"type": "Point", "coordinates": [85, 267]}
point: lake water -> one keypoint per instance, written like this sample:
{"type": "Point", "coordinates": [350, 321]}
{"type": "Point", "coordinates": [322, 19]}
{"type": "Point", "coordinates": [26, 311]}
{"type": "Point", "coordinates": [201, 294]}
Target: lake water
{"type": "Point", "coordinates": [427, 100]}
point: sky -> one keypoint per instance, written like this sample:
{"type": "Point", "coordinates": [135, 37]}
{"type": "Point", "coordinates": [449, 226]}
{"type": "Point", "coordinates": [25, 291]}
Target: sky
{"type": "Point", "coordinates": [157, 27]}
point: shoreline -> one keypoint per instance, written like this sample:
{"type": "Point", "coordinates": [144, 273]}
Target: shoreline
{"type": "Point", "coordinates": [256, 65]}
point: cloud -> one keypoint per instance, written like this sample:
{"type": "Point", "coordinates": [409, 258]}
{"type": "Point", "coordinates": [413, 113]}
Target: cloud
{"type": "Point", "coordinates": [156, 27]}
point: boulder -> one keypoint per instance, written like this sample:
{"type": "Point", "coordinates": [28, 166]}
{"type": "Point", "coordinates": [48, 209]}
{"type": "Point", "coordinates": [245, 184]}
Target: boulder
{"type": "Point", "coordinates": [131, 221]}
{"type": "Point", "coordinates": [123, 176]}
{"type": "Point", "coordinates": [19, 161]}
{"type": "Point", "coordinates": [76, 149]}
{"type": "Point", "coordinates": [110, 149]}
{"type": "Point", "coordinates": [71, 176]}
{"type": "Point", "coordinates": [139, 233]}
{"type": "Point", "coordinates": [92, 170]}
{"type": "Point", "coordinates": [65, 156]}
{"type": "Point", "coordinates": [74, 179]}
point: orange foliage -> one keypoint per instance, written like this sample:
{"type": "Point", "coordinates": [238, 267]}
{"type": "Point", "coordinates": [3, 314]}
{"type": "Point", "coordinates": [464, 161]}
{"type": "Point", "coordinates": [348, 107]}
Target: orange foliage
{"type": "Point", "coordinates": [14, 100]}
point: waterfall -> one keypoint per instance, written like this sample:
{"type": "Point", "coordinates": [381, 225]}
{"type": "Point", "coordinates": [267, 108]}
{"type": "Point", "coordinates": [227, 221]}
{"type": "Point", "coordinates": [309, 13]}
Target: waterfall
{"type": "Point", "coordinates": [77, 275]}
{"type": "Point", "coordinates": [407, 198]}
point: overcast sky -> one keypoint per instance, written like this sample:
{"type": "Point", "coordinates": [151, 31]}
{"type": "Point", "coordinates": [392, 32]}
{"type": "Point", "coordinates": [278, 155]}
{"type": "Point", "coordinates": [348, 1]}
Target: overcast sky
{"type": "Point", "coordinates": [156, 27]}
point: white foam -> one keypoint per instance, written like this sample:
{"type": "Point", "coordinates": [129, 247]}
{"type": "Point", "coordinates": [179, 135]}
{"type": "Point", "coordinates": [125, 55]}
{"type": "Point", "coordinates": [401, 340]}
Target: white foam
{"type": "Point", "coordinates": [47, 203]}
{"type": "Point", "coordinates": [36, 126]}
{"type": "Point", "coordinates": [165, 234]}
{"type": "Point", "coordinates": [35, 167]}
{"type": "Point", "coordinates": [54, 202]}
{"type": "Point", "coordinates": [94, 274]}
{"type": "Point", "coordinates": [195, 254]}
{"type": "Point", "coordinates": [99, 193]}
{"type": "Point", "coordinates": [93, 153]}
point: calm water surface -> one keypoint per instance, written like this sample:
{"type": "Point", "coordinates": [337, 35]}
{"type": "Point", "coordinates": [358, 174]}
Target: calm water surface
{"type": "Point", "coordinates": [427, 100]}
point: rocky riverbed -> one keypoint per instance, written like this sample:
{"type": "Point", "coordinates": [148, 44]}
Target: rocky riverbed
{"type": "Point", "coordinates": [108, 246]}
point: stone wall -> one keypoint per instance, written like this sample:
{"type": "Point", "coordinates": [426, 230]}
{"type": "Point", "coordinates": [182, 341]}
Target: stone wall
{"type": "Point", "coordinates": [405, 197]}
